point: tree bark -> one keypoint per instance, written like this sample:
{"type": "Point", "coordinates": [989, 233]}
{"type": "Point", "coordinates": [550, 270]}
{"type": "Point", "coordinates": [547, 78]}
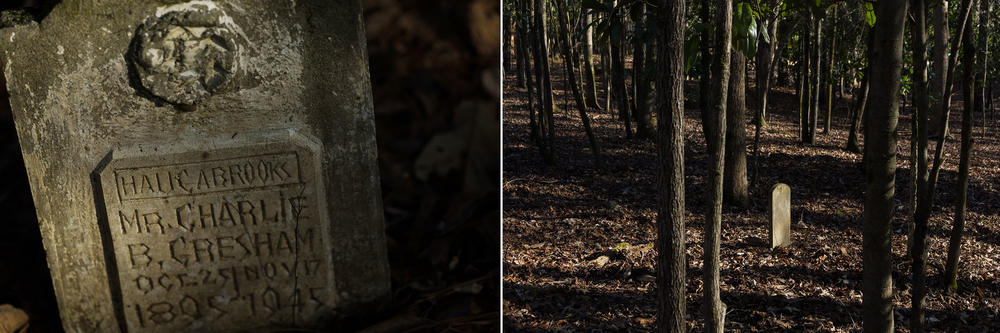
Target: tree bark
{"type": "Point", "coordinates": [618, 76]}
{"type": "Point", "coordinates": [830, 59]}
{"type": "Point", "coordinates": [735, 191]}
{"type": "Point", "coordinates": [817, 83]}
{"type": "Point", "coordinates": [985, 9]}
{"type": "Point", "coordinates": [590, 85]}
{"type": "Point", "coordinates": [715, 310]}
{"type": "Point", "coordinates": [920, 101]}
{"type": "Point", "coordinates": [705, 65]}
{"type": "Point", "coordinates": [958, 226]}
{"type": "Point", "coordinates": [881, 166]}
{"type": "Point", "coordinates": [671, 262]}
{"type": "Point", "coordinates": [508, 40]}
{"type": "Point", "coordinates": [939, 65]}
{"type": "Point", "coordinates": [644, 127]}
{"type": "Point", "coordinates": [535, 118]}
{"type": "Point", "coordinates": [570, 63]}
{"type": "Point", "coordinates": [765, 58]}
{"type": "Point", "coordinates": [544, 83]}
{"type": "Point", "coordinates": [805, 99]}
{"type": "Point", "coordinates": [519, 46]}
{"type": "Point", "coordinates": [925, 200]}
{"type": "Point", "coordinates": [765, 90]}
{"type": "Point", "coordinates": [606, 70]}
{"type": "Point", "coordinates": [861, 99]}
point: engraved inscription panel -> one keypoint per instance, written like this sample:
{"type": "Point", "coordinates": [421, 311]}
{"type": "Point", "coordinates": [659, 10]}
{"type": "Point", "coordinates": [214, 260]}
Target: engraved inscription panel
{"type": "Point", "coordinates": [222, 239]}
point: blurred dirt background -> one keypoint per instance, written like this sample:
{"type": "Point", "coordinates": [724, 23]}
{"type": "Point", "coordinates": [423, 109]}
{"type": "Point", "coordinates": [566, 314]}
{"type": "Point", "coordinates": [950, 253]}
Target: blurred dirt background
{"type": "Point", "coordinates": [436, 82]}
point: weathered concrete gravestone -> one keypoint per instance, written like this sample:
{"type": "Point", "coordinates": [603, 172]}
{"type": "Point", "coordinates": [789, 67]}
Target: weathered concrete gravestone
{"type": "Point", "coordinates": [201, 166]}
{"type": "Point", "coordinates": [781, 214]}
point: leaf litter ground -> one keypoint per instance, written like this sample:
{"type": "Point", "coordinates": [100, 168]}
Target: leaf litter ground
{"type": "Point", "coordinates": [578, 246]}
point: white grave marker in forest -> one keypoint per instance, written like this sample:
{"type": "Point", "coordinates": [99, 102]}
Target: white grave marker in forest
{"type": "Point", "coordinates": [780, 212]}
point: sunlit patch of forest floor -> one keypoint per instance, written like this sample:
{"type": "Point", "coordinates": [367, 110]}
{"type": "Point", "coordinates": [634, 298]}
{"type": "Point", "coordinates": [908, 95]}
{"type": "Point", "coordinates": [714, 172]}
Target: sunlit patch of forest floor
{"type": "Point", "coordinates": [578, 246]}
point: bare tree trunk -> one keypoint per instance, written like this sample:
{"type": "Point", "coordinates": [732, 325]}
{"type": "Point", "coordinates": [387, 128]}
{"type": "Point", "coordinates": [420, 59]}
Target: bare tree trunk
{"type": "Point", "coordinates": [530, 85]}
{"type": "Point", "coordinates": [861, 99]}
{"type": "Point", "coordinates": [508, 47]}
{"type": "Point", "coordinates": [958, 226]}
{"type": "Point", "coordinates": [985, 9]}
{"type": "Point", "coordinates": [618, 77]}
{"type": "Point", "coordinates": [715, 310]}
{"type": "Point", "coordinates": [880, 168]}
{"type": "Point", "coordinates": [765, 89]}
{"type": "Point", "coordinates": [644, 127]}
{"type": "Point", "coordinates": [705, 65]}
{"type": "Point", "coordinates": [805, 99]}
{"type": "Point", "coordinates": [830, 59]}
{"type": "Point", "coordinates": [606, 70]}
{"type": "Point", "coordinates": [765, 58]}
{"type": "Point", "coordinates": [590, 86]}
{"type": "Point", "coordinates": [734, 184]}
{"type": "Point", "coordinates": [671, 262]}
{"type": "Point", "coordinates": [817, 83]}
{"type": "Point", "coordinates": [571, 72]}
{"type": "Point", "coordinates": [918, 251]}
{"type": "Point", "coordinates": [519, 46]}
{"type": "Point", "coordinates": [536, 125]}
{"type": "Point", "coordinates": [545, 84]}
{"type": "Point", "coordinates": [939, 65]}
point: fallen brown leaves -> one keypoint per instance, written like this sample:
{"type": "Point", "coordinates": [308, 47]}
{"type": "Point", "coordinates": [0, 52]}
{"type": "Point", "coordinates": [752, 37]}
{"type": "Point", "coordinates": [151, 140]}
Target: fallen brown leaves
{"type": "Point", "coordinates": [571, 232]}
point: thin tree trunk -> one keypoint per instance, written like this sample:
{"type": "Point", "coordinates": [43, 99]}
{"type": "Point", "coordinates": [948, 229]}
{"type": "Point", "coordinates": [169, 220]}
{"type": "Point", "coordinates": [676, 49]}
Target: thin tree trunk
{"type": "Point", "coordinates": [939, 65]}
{"type": "Point", "coordinates": [545, 83]}
{"type": "Point", "coordinates": [519, 47]}
{"type": "Point", "coordinates": [829, 73]}
{"type": "Point", "coordinates": [925, 201]}
{"type": "Point", "coordinates": [606, 71]}
{"type": "Point", "coordinates": [644, 127]}
{"type": "Point", "coordinates": [958, 226]}
{"type": "Point", "coordinates": [705, 65]}
{"type": "Point", "coordinates": [618, 77]}
{"type": "Point", "coordinates": [805, 99]}
{"type": "Point", "coordinates": [508, 40]}
{"type": "Point", "coordinates": [985, 9]}
{"type": "Point", "coordinates": [715, 310]}
{"type": "Point", "coordinates": [761, 118]}
{"type": "Point", "coordinates": [590, 86]}
{"type": "Point", "coordinates": [571, 72]}
{"type": "Point", "coordinates": [671, 262]}
{"type": "Point", "coordinates": [765, 58]}
{"type": "Point", "coordinates": [920, 101]}
{"type": "Point", "coordinates": [817, 83]}
{"type": "Point", "coordinates": [537, 127]}
{"type": "Point", "coordinates": [861, 99]}
{"type": "Point", "coordinates": [880, 168]}
{"type": "Point", "coordinates": [530, 86]}
{"type": "Point", "coordinates": [734, 184]}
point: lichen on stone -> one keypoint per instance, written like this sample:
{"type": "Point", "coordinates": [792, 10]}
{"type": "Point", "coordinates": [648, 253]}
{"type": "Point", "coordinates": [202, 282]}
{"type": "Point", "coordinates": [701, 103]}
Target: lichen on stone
{"type": "Point", "coordinates": [15, 17]}
{"type": "Point", "coordinates": [187, 54]}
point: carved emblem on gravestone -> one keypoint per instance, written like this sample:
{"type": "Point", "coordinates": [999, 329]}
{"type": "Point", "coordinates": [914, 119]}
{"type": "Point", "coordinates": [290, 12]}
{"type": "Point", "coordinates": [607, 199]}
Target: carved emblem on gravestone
{"type": "Point", "coordinates": [186, 52]}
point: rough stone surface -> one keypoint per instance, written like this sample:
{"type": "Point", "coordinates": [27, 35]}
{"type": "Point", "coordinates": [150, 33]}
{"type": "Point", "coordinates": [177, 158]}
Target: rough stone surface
{"type": "Point", "coordinates": [780, 211]}
{"type": "Point", "coordinates": [186, 52]}
{"type": "Point", "coordinates": [259, 206]}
